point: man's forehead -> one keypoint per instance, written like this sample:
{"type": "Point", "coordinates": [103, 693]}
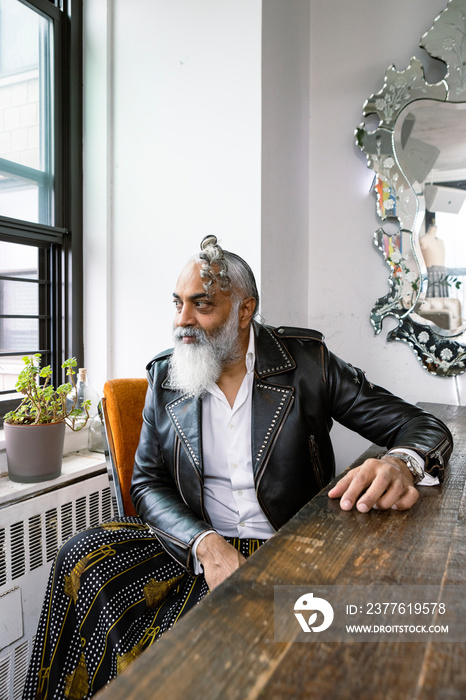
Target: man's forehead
{"type": "Point", "coordinates": [190, 276]}
{"type": "Point", "coordinates": [190, 283]}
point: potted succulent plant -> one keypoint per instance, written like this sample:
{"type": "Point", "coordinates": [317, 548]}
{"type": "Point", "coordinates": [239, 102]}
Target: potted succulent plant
{"type": "Point", "coordinates": [35, 431]}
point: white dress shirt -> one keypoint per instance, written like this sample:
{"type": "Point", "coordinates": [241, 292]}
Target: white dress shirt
{"type": "Point", "coordinates": [229, 494]}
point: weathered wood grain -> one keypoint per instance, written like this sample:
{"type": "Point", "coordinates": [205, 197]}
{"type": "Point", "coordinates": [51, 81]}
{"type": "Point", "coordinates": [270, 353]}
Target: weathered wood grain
{"type": "Point", "coordinates": [224, 648]}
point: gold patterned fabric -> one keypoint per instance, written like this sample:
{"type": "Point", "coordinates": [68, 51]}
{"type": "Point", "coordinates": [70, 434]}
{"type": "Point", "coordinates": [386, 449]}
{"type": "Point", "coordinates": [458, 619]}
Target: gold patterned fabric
{"type": "Point", "coordinates": [113, 591]}
{"type": "Point", "coordinates": [77, 682]}
{"type": "Point", "coordinates": [156, 591]}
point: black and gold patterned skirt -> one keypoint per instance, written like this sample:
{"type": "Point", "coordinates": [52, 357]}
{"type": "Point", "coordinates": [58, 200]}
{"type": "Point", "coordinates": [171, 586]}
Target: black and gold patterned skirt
{"type": "Point", "coordinates": [112, 592]}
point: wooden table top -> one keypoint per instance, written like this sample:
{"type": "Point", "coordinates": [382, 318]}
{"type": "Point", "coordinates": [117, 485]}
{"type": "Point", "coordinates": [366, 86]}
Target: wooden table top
{"type": "Point", "coordinates": [224, 648]}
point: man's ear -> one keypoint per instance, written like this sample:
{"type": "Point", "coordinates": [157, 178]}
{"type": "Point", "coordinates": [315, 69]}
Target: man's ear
{"type": "Point", "coordinates": [246, 312]}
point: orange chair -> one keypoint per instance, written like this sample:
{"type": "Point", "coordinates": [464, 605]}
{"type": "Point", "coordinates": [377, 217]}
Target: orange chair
{"type": "Point", "coordinates": [122, 406]}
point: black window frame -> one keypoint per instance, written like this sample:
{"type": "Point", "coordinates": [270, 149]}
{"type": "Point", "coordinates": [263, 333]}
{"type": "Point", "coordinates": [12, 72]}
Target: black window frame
{"type": "Point", "coordinates": [60, 245]}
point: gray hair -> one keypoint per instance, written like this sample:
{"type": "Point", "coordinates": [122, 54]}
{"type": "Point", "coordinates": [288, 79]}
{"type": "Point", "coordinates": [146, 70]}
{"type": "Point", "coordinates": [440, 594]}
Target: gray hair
{"type": "Point", "coordinates": [232, 273]}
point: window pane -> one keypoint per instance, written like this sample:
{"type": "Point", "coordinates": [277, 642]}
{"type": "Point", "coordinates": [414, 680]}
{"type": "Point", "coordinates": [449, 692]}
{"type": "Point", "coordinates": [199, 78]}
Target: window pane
{"type": "Point", "coordinates": [18, 198]}
{"type": "Point", "coordinates": [18, 298]}
{"type": "Point", "coordinates": [18, 260]}
{"type": "Point", "coordinates": [19, 335]}
{"type": "Point", "coordinates": [26, 149]}
{"type": "Point", "coordinates": [17, 55]}
{"type": "Point", "coordinates": [10, 367]}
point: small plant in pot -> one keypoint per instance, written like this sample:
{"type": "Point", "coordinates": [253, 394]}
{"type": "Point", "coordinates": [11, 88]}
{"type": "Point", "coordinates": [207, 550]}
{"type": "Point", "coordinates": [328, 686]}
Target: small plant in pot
{"type": "Point", "coordinates": [35, 431]}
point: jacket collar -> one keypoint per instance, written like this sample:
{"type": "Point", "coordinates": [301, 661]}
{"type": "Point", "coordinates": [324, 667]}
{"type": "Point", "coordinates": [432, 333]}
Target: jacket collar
{"type": "Point", "coordinates": [272, 357]}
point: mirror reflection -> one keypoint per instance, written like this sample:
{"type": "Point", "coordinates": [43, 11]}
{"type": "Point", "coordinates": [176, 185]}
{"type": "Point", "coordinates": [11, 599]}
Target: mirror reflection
{"type": "Point", "coordinates": [417, 151]}
{"type": "Point", "coordinates": [430, 145]}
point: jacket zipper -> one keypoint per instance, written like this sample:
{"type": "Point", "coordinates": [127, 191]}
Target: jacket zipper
{"type": "Point", "coordinates": [183, 545]}
{"type": "Point", "coordinates": [316, 463]}
{"type": "Point", "coordinates": [177, 468]}
{"type": "Point", "coordinates": [178, 480]}
{"type": "Point", "coordinates": [438, 452]}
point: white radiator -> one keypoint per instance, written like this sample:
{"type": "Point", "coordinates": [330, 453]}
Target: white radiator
{"type": "Point", "coordinates": [31, 531]}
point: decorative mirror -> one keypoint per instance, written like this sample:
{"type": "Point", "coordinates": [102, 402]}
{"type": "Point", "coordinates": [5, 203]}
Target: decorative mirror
{"type": "Point", "coordinates": [418, 155]}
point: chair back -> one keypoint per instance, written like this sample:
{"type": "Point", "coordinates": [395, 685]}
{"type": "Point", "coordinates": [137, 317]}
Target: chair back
{"type": "Point", "coordinates": [122, 406]}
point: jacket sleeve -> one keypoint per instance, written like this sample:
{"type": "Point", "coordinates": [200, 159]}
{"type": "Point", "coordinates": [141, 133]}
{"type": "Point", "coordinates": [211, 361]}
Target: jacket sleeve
{"type": "Point", "coordinates": [156, 497]}
{"type": "Point", "coordinates": [384, 418]}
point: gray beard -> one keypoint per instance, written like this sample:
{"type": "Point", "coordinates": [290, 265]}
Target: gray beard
{"type": "Point", "coordinates": [196, 367]}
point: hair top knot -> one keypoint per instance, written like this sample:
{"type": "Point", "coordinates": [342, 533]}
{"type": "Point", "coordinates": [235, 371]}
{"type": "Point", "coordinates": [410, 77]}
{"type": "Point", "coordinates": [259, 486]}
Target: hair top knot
{"type": "Point", "coordinates": [213, 255]}
{"type": "Point", "coordinates": [209, 240]}
{"type": "Point", "coordinates": [221, 269]}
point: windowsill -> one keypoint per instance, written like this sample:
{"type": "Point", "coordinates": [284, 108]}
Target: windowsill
{"type": "Point", "coordinates": [76, 466]}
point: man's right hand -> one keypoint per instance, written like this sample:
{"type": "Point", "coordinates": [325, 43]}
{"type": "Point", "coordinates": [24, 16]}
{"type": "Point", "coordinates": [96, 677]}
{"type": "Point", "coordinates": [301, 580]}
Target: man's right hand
{"type": "Point", "coordinates": [218, 558]}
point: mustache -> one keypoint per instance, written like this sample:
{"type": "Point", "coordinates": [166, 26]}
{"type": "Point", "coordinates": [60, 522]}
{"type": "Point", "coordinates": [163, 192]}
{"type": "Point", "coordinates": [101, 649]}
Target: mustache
{"type": "Point", "coordinates": [189, 332]}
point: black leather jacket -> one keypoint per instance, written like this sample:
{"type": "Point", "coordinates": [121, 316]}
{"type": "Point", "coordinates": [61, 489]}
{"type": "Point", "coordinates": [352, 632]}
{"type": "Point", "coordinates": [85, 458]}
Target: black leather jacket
{"type": "Point", "coordinates": [299, 389]}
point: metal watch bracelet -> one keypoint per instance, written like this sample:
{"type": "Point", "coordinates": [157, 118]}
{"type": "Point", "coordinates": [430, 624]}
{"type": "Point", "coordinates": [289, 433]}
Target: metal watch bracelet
{"type": "Point", "coordinates": [414, 467]}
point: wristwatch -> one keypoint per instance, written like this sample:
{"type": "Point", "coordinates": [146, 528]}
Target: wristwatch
{"type": "Point", "coordinates": [413, 465]}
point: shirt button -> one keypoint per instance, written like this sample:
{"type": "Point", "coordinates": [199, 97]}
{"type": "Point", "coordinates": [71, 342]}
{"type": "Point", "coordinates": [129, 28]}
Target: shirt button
{"type": "Point", "coordinates": [232, 427]}
{"type": "Point", "coordinates": [239, 493]}
{"type": "Point", "coordinates": [241, 524]}
{"type": "Point", "coordinates": [235, 466]}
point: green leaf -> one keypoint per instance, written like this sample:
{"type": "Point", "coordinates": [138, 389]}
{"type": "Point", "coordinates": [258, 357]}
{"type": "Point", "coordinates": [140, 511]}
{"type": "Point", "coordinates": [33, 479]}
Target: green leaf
{"type": "Point", "coordinates": [42, 403]}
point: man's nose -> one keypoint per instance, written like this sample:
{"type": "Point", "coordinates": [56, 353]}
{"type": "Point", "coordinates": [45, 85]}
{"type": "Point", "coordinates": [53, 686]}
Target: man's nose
{"type": "Point", "coordinates": [185, 317]}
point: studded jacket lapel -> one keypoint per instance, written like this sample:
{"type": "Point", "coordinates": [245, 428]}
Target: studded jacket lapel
{"type": "Point", "coordinates": [271, 402]}
{"type": "Point", "coordinates": [185, 415]}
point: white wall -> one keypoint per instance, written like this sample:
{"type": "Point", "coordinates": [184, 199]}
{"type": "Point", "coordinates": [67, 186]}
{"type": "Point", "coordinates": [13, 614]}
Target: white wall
{"type": "Point", "coordinates": [175, 149]}
{"type": "Point", "coordinates": [172, 153]}
{"type": "Point", "coordinates": [285, 161]}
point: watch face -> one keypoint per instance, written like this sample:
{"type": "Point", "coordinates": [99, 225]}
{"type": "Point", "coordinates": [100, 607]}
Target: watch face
{"type": "Point", "coordinates": [415, 469]}
{"type": "Point", "coordinates": [413, 466]}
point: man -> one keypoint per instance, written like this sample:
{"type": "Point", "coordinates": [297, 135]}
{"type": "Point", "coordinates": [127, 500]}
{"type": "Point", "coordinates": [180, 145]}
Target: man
{"type": "Point", "coordinates": [235, 440]}
{"type": "Point", "coordinates": [282, 404]}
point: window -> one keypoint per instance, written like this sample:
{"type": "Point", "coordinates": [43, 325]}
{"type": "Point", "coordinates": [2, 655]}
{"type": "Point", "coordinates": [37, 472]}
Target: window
{"type": "Point", "coordinates": [40, 186]}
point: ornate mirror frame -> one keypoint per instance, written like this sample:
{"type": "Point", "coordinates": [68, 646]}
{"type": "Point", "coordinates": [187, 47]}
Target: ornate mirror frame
{"type": "Point", "coordinates": [401, 201]}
